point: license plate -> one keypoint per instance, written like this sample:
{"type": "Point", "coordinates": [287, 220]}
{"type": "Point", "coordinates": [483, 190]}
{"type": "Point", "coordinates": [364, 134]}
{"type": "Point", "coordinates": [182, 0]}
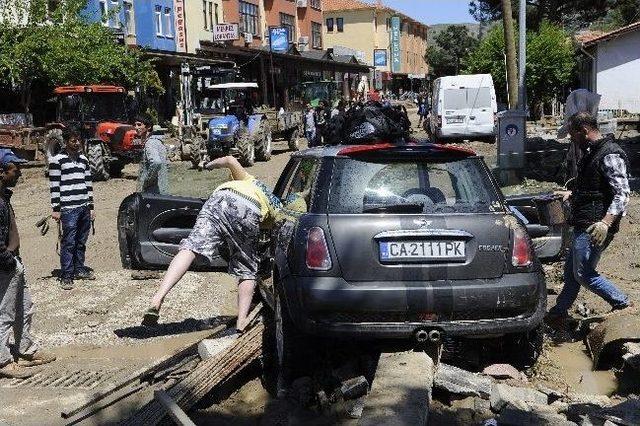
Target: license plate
{"type": "Point", "coordinates": [217, 131]}
{"type": "Point", "coordinates": [422, 250]}
{"type": "Point", "coordinates": [455, 120]}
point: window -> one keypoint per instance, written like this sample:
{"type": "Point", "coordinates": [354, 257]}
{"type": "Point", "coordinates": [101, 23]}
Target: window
{"type": "Point", "coordinates": [168, 22]}
{"type": "Point", "coordinates": [340, 24]}
{"type": "Point", "coordinates": [316, 35]}
{"type": "Point", "coordinates": [299, 189]}
{"type": "Point", "coordinates": [330, 25]}
{"type": "Point", "coordinates": [248, 18]}
{"type": "Point", "coordinates": [104, 11]}
{"type": "Point", "coordinates": [315, 4]}
{"type": "Point", "coordinates": [217, 16]}
{"type": "Point", "coordinates": [114, 20]}
{"type": "Point", "coordinates": [211, 16]}
{"type": "Point", "coordinates": [128, 18]}
{"type": "Point", "coordinates": [204, 14]}
{"type": "Point", "coordinates": [458, 99]}
{"type": "Point", "coordinates": [289, 22]}
{"type": "Point", "coordinates": [157, 16]}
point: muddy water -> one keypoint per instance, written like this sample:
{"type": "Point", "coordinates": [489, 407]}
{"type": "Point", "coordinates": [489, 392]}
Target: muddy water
{"type": "Point", "coordinates": [575, 369]}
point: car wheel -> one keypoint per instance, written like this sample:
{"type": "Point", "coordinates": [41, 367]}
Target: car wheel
{"type": "Point", "coordinates": [526, 347]}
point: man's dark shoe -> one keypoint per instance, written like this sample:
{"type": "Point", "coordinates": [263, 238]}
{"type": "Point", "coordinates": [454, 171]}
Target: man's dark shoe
{"type": "Point", "coordinates": [151, 317]}
{"type": "Point", "coordinates": [66, 283]}
{"type": "Point", "coordinates": [556, 321]}
{"type": "Point", "coordinates": [84, 274]}
{"type": "Point", "coordinates": [629, 306]}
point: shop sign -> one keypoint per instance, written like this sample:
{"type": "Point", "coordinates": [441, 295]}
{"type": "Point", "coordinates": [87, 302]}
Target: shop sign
{"type": "Point", "coordinates": [181, 34]}
{"type": "Point", "coordinates": [379, 57]}
{"type": "Point", "coordinates": [225, 32]}
{"type": "Point", "coordinates": [396, 60]}
{"type": "Point", "coordinates": [279, 39]}
{"type": "Point", "coordinates": [308, 73]}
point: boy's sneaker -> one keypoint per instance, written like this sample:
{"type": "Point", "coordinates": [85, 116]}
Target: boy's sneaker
{"type": "Point", "coordinates": [66, 283]}
{"type": "Point", "coordinates": [14, 371]}
{"type": "Point", "coordinates": [84, 274]}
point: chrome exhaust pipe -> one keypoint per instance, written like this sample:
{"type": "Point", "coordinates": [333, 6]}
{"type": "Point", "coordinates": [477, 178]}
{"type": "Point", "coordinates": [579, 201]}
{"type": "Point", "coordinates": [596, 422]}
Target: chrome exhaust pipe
{"type": "Point", "coordinates": [435, 336]}
{"type": "Point", "coordinates": [422, 336]}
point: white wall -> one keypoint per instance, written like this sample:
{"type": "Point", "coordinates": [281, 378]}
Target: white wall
{"type": "Point", "coordinates": [618, 68]}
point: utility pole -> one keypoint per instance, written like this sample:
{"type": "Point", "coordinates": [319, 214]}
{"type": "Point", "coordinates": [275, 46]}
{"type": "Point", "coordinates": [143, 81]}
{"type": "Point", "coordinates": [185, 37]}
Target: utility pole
{"type": "Point", "coordinates": [510, 45]}
{"type": "Point", "coordinates": [522, 56]}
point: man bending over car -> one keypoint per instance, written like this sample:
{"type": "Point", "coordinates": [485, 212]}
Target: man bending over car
{"type": "Point", "coordinates": [232, 218]}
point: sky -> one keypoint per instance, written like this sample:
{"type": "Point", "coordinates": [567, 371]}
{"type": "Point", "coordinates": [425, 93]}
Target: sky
{"type": "Point", "coordinates": [434, 11]}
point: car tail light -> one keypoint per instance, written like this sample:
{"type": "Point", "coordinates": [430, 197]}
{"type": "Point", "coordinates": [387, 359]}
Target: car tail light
{"type": "Point", "coordinates": [521, 254]}
{"type": "Point", "coordinates": [318, 257]}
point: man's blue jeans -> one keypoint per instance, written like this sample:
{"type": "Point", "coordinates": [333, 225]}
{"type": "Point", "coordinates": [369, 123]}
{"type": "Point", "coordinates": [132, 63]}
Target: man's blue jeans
{"type": "Point", "coordinates": [76, 224]}
{"type": "Point", "coordinates": [580, 269]}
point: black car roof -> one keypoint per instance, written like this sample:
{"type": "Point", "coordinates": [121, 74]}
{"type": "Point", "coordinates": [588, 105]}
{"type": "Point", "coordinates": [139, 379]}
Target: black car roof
{"type": "Point", "coordinates": [437, 150]}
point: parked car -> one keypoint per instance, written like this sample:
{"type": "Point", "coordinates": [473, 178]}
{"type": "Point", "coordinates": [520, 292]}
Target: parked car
{"type": "Point", "coordinates": [463, 107]}
{"type": "Point", "coordinates": [404, 242]}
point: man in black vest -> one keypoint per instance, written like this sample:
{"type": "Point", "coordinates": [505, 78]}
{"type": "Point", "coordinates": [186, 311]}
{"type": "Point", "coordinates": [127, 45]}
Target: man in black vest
{"type": "Point", "coordinates": [599, 198]}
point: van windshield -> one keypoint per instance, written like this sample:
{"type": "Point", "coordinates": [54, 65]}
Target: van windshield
{"type": "Point", "coordinates": [467, 98]}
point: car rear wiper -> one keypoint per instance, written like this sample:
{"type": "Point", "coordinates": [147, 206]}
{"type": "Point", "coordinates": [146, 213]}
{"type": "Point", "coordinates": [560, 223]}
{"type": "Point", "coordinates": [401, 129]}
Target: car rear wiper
{"type": "Point", "coordinates": [395, 208]}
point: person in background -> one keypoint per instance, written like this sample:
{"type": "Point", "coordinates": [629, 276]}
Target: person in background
{"type": "Point", "coordinates": [310, 125]}
{"type": "Point", "coordinates": [599, 198]}
{"type": "Point", "coordinates": [423, 109]}
{"type": "Point", "coordinates": [72, 204]}
{"type": "Point", "coordinates": [231, 219]}
{"type": "Point", "coordinates": [16, 306]}
{"type": "Point", "coordinates": [154, 167]}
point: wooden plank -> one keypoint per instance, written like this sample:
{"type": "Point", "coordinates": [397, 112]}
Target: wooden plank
{"type": "Point", "coordinates": [176, 413]}
{"type": "Point", "coordinates": [206, 376]}
{"type": "Point", "coordinates": [139, 374]}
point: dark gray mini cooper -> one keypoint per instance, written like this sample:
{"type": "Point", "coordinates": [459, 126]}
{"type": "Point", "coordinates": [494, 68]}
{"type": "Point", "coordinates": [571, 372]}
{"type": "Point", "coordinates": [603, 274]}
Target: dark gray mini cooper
{"type": "Point", "coordinates": [405, 242]}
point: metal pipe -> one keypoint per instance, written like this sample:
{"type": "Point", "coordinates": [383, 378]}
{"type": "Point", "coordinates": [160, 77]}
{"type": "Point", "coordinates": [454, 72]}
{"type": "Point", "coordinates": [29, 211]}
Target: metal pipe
{"type": "Point", "coordinates": [422, 336]}
{"type": "Point", "coordinates": [522, 56]}
{"type": "Point", "coordinates": [435, 336]}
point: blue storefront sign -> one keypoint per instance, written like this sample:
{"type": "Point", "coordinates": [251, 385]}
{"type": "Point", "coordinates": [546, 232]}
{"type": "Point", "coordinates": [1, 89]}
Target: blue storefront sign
{"type": "Point", "coordinates": [279, 39]}
{"type": "Point", "coordinates": [396, 60]}
{"type": "Point", "coordinates": [380, 57]}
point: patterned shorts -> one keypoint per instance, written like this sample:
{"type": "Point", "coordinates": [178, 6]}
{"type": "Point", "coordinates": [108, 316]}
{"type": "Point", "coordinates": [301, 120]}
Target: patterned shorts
{"type": "Point", "coordinates": [228, 223]}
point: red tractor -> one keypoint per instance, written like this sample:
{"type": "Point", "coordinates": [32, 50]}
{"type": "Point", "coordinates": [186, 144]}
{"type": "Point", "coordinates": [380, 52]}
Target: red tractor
{"type": "Point", "coordinates": [100, 114]}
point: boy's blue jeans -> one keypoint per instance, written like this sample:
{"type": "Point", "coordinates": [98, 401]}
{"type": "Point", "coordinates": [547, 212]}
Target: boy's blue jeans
{"type": "Point", "coordinates": [76, 224]}
{"type": "Point", "coordinates": [580, 270]}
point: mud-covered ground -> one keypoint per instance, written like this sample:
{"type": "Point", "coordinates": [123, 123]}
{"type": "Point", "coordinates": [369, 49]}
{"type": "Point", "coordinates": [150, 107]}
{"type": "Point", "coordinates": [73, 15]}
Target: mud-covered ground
{"type": "Point", "coordinates": [98, 320]}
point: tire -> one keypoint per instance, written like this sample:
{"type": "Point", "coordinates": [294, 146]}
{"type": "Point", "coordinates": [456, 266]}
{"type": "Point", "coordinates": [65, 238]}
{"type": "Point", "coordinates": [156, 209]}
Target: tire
{"type": "Point", "coordinates": [191, 151]}
{"type": "Point", "coordinates": [294, 139]}
{"type": "Point", "coordinates": [527, 347]}
{"type": "Point", "coordinates": [246, 148]}
{"type": "Point", "coordinates": [53, 145]}
{"type": "Point", "coordinates": [264, 142]}
{"type": "Point", "coordinates": [97, 162]}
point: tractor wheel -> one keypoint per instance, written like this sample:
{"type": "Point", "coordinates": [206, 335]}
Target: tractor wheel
{"type": "Point", "coordinates": [294, 139]}
{"type": "Point", "coordinates": [53, 144]}
{"type": "Point", "coordinates": [97, 162]}
{"type": "Point", "coordinates": [246, 148]}
{"type": "Point", "coordinates": [264, 139]}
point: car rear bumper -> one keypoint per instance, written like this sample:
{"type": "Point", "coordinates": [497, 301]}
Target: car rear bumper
{"type": "Point", "coordinates": [333, 307]}
{"type": "Point", "coordinates": [466, 132]}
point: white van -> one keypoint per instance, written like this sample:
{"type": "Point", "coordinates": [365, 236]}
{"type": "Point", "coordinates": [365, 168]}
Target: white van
{"type": "Point", "coordinates": [463, 107]}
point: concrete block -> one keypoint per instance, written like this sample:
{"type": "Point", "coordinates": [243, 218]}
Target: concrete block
{"type": "Point", "coordinates": [209, 348]}
{"type": "Point", "coordinates": [503, 394]}
{"type": "Point", "coordinates": [462, 382]}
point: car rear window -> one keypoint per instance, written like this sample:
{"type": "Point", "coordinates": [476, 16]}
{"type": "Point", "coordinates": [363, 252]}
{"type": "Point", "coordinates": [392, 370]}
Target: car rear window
{"type": "Point", "coordinates": [460, 186]}
{"type": "Point", "coordinates": [467, 98]}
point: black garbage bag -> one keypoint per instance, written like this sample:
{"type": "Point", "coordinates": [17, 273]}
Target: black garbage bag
{"type": "Point", "coordinates": [368, 123]}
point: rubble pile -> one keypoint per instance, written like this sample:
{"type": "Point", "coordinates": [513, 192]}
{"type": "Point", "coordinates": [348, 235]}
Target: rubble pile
{"type": "Point", "coordinates": [502, 395]}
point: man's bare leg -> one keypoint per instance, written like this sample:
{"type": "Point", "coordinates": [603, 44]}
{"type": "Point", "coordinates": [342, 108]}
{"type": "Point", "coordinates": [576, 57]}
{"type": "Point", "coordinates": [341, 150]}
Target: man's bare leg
{"type": "Point", "coordinates": [245, 295]}
{"type": "Point", "coordinates": [177, 268]}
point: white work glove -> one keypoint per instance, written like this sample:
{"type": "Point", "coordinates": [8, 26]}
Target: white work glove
{"type": "Point", "coordinates": [598, 232]}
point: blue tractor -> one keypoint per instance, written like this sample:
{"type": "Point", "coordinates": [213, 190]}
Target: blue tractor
{"type": "Point", "coordinates": [234, 128]}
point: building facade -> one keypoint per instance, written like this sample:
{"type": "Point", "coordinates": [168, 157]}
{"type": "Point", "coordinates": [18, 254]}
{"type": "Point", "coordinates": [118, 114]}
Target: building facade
{"type": "Point", "coordinates": [613, 62]}
{"type": "Point", "coordinates": [200, 16]}
{"type": "Point", "coordinates": [393, 43]}
{"type": "Point", "coordinates": [118, 15]}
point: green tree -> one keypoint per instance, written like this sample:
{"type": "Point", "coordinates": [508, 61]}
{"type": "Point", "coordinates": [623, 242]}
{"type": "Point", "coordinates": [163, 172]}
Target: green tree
{"type": "Point", "coordinates": [59, 47]}
{"type": "Point", "coordinates": [550, 62]}
{"type": "Point", "coordinates": [571, 14]}
{"type": "Point", "coordinates": [453, 46]}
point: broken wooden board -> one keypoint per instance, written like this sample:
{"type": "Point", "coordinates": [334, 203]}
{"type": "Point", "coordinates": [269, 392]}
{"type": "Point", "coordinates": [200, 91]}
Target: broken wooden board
{"type": "Point", "coordinates": [401, 390]}
{"type": "Point", "coordinates": [205, 377]}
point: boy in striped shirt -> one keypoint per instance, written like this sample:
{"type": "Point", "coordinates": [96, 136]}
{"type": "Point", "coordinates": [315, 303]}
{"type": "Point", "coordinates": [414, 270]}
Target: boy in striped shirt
{"type": "Point", "coordinates": [72, 205]}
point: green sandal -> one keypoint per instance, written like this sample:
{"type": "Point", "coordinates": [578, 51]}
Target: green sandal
{"type": "Point", "coordinates": [151, 317]}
